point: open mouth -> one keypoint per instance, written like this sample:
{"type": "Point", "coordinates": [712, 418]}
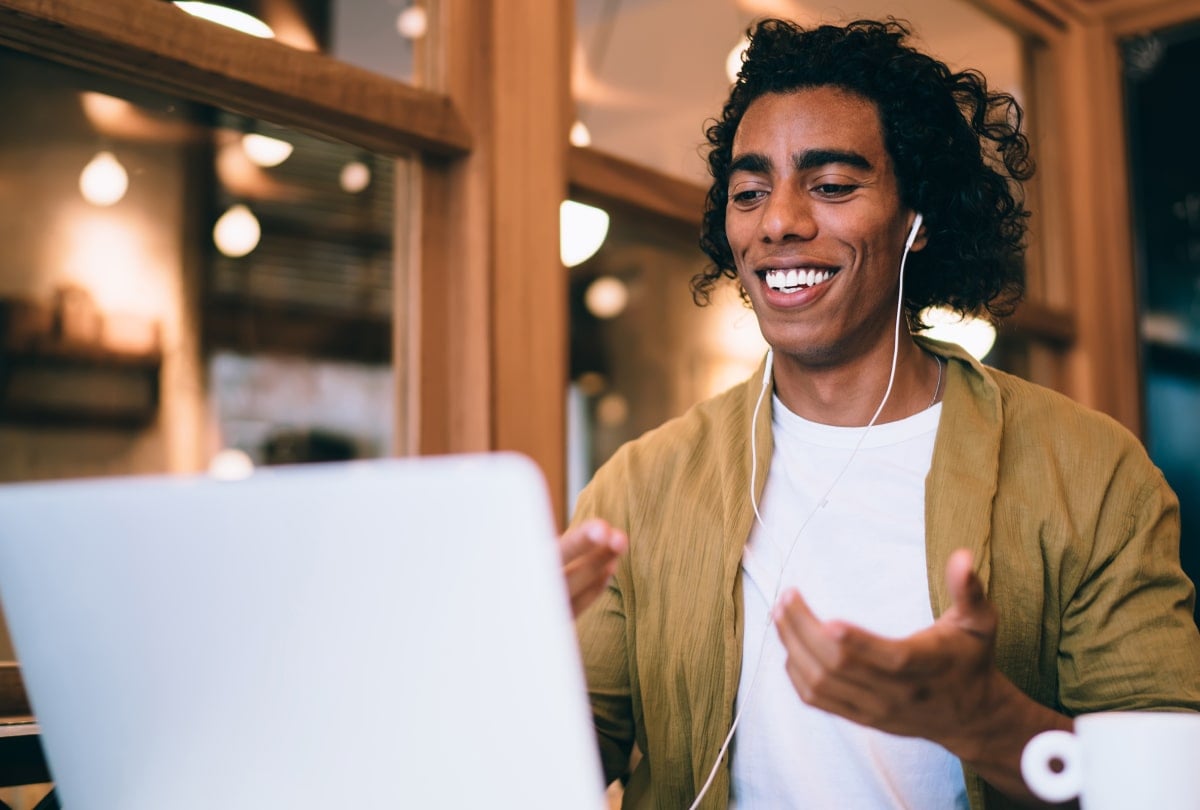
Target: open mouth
{"type": "Point", "coordinates": [793, 280]}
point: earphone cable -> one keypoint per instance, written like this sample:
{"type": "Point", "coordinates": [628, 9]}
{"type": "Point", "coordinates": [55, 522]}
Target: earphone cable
{"type": "Point", "coordinates": [824, 500]}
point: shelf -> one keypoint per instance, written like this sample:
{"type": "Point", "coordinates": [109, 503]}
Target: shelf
{"type": "Point", "coordinates": [49, 379]}
{"type": "Point", "coordinates": [249, 326]}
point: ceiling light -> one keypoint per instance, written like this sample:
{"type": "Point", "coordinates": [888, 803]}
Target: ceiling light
{"type": "Point", "coordinates": [412, 23]}
{"type": "Point", "coordinates": [266, 151]}
{"type": "Point", "coordinates": [582, 231]}
{"type": "Point", "coordinates": [104, 180]}
{"type": "Point", "coordinates": [228, 17]}
{"type": "Point", "coordinates": [591, 383]}
{"type": "Point", "coordinates": [606, 297]}
{"type": "Point", "coordinates": [976, 335]}
{"type": "Point", "coordinates": [237, 232]}
{"type": "Point", "coordinates": [612, 410]}
{"type": "Point", "coordinates": [580, 135]}
{"type": "Point", "coordinates": [104, 110]}
{"type": "Point", "coordinates": [354, 177]}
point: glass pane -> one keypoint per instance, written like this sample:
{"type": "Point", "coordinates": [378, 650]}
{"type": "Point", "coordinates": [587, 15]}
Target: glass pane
{"type": "Point", "coordinates": [173, 287]}
{"type": "Point", "coordinates": [381, 37]}
{"type": "Point", "coordinates": [644, 87]}
{"type": "Point", "coordinates": [1165, 173]}
{"type": "Point", "coordinates": [641, 350]}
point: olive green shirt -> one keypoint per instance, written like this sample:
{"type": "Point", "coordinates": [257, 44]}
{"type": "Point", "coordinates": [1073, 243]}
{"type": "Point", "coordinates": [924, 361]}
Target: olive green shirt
{"type": "Point", "coordinates": [1075, 535]}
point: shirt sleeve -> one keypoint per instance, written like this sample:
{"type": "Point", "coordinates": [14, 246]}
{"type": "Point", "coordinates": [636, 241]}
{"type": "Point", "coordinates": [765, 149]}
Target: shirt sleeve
{"type": "Point", "coordinates": [1129, 637]}
{"type": "Point", "coordinates": [604, 643]}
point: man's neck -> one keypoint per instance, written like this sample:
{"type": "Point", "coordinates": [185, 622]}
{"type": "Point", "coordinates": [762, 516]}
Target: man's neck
{"type": "Point", "coordinates": [849, 393]}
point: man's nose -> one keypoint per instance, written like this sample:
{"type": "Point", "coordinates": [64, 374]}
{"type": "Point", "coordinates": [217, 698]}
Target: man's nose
{"type": "Point", "coordinates": [788, 214]}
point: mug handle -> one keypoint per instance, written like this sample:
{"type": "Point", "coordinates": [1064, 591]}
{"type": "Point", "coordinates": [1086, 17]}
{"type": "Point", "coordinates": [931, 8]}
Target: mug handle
{"type": "Point", "coordinates": [1036, 758]}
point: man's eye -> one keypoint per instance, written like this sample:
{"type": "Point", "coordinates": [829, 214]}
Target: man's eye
{"type": "Point", "coordinates": [834, 189]}
{"type": "Point", "coordinates": [748, 196]}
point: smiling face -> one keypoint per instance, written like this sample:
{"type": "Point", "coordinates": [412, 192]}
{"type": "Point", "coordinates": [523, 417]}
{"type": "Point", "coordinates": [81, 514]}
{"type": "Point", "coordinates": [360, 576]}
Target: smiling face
{"type": "Point", "coordinates": [815, 224]}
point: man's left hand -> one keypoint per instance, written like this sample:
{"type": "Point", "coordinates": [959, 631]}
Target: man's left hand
{"type": "Point", "coordinates": [932, 684]}
{"type": "Point", "coordinates": [940, 683]}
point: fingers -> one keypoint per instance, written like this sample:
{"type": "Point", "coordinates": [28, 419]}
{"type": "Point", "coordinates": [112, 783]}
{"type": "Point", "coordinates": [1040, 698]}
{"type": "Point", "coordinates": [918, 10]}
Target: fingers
{"type": "Point", "coordinates": [583, 595]}
{"type": "Point", "coordinates": [855, 654]}
{"type": "Point", "coordinates": [592, 536]}
{"type": "Point", "coordinates": [819, 688]}
{"type": "Point", "coordinates": [963, 585]}
{"type": "Point", "coordinates": [824, 668]}
{"type": "Point", "coordinates": [969, 606]}
{"type": "Point", "coordinates": [798, 627]}
{"type": "Point", "coordinates": [926, 684]}
{"type": "Point", "coordinates": [802, 633]}
{"type": "Point", "coordinates": [589, 553]}
{"type": "Point", "coordinates": [587, 577]}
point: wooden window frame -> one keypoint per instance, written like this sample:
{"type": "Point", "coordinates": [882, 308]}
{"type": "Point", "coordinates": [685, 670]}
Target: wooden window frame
{"type": "Point", "coordinates": [481, 347]}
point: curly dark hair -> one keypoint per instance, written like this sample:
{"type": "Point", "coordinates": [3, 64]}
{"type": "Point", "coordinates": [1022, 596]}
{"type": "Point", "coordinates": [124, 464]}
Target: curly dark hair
{"type": "Point", "coordinates": [958, 151]}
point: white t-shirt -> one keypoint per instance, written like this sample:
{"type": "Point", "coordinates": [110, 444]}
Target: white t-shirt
{"type": "Point", "coordinates": [860, 558]}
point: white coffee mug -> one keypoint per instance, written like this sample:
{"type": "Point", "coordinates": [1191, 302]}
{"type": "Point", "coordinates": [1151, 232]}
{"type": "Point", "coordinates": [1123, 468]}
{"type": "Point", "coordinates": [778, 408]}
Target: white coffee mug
{"type": "Point", "coordinates": [1118, 761]}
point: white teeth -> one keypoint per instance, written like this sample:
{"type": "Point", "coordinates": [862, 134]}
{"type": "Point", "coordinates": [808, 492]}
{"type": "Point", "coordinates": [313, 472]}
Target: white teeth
{"type": "Point", "coordinates": [792, 280]}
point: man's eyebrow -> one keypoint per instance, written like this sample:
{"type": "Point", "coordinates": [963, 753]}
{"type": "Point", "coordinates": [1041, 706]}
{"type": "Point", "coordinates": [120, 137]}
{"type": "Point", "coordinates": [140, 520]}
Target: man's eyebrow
{"type": "Point", "coordinates": [752, 162]}
{"type": "Point", "coordinates": [757, 163]}
{"type": "Point", "coordinates": [814, 158]}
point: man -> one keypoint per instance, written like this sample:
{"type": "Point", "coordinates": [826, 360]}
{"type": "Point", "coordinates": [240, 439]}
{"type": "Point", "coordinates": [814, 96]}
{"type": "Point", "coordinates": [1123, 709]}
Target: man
{"type": "Point", "coordinates": [877, 568]}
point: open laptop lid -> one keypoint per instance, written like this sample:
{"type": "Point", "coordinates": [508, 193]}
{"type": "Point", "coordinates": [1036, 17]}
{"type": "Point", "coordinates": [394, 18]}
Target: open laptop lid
{"type": "Point", "coordinates": [365, 634]}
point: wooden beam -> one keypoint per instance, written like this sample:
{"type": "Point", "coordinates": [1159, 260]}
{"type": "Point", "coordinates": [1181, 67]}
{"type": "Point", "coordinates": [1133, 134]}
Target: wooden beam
{"type": "Point", "coordinates": [1043, 19]}
{"type": "Point", "coordinates": [1049, 325]}
{"type": "Point", "coordinates": [1131, 17]}
{"type": "Point", "coordinates": [1049, 275]}
{"type": "Point", "coordinates": [156, 44]}
{"type": "Point", "coordinates": [1103, 367]}
{"type": "Point", "coordinates": [531, 41]}
{"type": "Point", "coordinates": [616, 180]}
{"type": "Point", "coordinates": [449, 374]}
{"type": "Point", "coordinates": [492, 298]}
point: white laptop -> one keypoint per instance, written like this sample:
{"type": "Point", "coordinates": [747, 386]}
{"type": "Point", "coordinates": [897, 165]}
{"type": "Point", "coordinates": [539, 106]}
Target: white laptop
{"type": "Point", "coordinates": [384, 634]}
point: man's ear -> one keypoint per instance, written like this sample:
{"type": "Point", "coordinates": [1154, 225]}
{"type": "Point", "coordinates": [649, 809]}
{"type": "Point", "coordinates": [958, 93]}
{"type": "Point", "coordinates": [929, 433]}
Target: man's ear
{"type": "Point", "coordinates": [918, 237]}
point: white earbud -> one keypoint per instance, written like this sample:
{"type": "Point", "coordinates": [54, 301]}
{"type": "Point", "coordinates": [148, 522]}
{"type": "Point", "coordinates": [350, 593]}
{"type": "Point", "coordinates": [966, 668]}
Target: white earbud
{"type": "Point", "coordinates": [912, 233]}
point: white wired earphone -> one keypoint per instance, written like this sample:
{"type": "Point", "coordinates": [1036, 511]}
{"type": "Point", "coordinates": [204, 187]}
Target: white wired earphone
{"type": "Point", "coordinates": [766, 383]}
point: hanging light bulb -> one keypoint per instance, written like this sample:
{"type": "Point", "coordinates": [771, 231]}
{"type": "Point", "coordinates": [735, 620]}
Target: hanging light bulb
{"type": "Point", "coordinates": [612, 410]}
{"type": "Point", "coordinates": [412, 23]}
{"type": "Point", "coordinates": [104, 180]}
{"type": "Point", "coordinates": [606, 297]}
{"type": "Point", "coordinates": [237, 232]}
{"type": "Point", "coordinates": [976, 335]}
{"type": "Point", "coordinates": [582, 231]}
{"type": "Point", "coordinates": [228, 17]}
{"type": "Point", "coordinates": [354, 177]}
{"type": "Point", "coordinates": [580, 135]}
{"type": "Point", "coordinates": [265, 150]}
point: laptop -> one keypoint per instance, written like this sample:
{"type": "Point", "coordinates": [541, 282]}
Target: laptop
{"type": "Point", "coordinates": [384, 634]}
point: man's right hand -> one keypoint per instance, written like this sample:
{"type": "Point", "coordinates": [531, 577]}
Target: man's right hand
{"type": "Point", "coordinates": [589, 556]}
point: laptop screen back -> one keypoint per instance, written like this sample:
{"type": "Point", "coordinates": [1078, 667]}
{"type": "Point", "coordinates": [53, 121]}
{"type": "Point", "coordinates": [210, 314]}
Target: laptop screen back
{"type": "Point", "coordinates": [364, 634]}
